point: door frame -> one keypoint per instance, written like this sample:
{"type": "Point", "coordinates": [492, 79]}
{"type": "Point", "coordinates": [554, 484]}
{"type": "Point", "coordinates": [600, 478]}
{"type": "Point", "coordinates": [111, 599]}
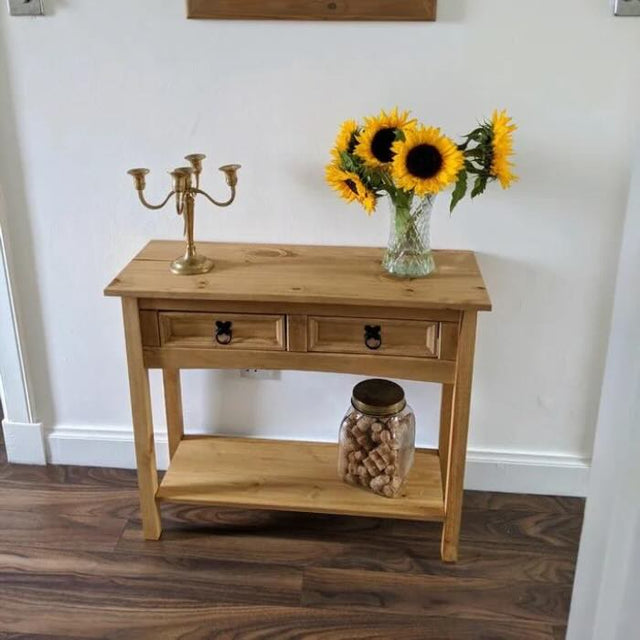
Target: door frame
{"type": "Point", "coordinates": [23, 434]}
{"type": "Point", "coordinates": [607, 584]}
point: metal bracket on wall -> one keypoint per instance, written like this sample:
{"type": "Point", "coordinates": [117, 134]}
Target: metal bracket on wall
{"type": "Point", "coordinates": [626, 7]}
{"type": "Point", "coordinates": [25, 7]}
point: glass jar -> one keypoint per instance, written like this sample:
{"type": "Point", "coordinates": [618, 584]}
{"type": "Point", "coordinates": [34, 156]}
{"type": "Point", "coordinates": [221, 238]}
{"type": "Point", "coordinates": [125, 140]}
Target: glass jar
{"type": "Point", "coordinates": [377, 438]}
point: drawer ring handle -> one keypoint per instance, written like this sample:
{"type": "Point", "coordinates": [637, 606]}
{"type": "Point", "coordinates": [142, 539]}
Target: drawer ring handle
{"type": "Point", "coordinates": [224, 332]}
{"type": "Point", "coordinates": [372, 336]}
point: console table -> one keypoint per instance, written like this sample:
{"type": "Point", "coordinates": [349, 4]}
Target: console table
{"type": "Point", "coordinates": [304, 308]}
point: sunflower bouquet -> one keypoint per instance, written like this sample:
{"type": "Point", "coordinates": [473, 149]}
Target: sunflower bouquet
{"type": "Point", "coordinates": [391, 154]}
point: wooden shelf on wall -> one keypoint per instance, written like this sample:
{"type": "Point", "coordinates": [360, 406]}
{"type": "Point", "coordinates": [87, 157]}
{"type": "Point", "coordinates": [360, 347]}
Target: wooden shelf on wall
{"type": "Point", "coordinates": [407, 10]}
{"type": "Point", "coordinates": [291, 476]}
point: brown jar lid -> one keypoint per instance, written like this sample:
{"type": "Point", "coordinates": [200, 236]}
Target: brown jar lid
{"type": "Point", "coordinates": [378, 397]}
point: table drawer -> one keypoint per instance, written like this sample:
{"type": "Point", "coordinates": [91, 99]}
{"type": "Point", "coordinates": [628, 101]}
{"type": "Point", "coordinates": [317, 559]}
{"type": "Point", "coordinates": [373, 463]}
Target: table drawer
{"type": "Point", "coordinates": [222, 331]}
{"type": "Point", "coordinates": [368, 335]}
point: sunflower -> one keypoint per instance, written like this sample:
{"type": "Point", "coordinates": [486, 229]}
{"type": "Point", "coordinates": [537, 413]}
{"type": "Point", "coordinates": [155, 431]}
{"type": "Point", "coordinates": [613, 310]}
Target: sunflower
{"type": "Point", "coordinates": [350, 187]}
{"type": "Point", "coordinates": [346, 140]}
{"type": "Point", "coordinates": [426, 161]}
{"type": "Point", "coordinates": [368, 200]}
{"type": "Point", "coordinates": [379, 134]}
{"type": "Point", "coordinates": [502, 129]}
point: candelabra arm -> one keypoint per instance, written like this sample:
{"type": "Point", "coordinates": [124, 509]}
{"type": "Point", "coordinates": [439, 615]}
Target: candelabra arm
{"type": "Point", "coordinates": [218, 204]}
{"type": "Point", "coordinates": [148, 205]}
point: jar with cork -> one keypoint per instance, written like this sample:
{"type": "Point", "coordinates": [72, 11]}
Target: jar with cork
{"type": "Point", "coordinates": [377, 438]}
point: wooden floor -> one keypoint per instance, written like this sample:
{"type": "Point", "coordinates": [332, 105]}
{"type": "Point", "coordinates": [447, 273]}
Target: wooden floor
{"type": "Point", "coordinates": [73, 565]}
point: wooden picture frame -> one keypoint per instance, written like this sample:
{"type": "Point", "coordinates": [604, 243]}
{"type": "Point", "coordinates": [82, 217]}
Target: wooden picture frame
{"type": "Point", "coordinates": [395, 10]}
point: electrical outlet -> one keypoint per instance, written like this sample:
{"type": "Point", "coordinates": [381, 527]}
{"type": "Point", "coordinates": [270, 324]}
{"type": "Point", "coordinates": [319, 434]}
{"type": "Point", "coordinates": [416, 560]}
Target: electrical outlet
{"type": "Point", "coordinates": [260, 374]}
{"type": "Point", "coordinates": [25, 7]}
{"type": "Point", "coordinates": [626, 7]}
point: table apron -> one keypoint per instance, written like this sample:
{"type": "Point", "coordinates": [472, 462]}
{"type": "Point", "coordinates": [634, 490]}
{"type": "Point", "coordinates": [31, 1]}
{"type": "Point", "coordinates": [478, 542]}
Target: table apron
{"type": "Point", "coordinates": [423, 369]}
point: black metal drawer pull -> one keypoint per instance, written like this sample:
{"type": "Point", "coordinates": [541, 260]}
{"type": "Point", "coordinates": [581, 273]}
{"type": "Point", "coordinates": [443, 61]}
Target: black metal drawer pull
{"type": "Point", "coordinates": [224, 332]}
{"type": "Point", "coordinates": [372, 336]}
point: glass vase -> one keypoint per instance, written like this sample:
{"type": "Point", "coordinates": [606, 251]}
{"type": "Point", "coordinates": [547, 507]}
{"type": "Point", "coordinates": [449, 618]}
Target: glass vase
{"type": "Point", "coordinates": [409, 252]}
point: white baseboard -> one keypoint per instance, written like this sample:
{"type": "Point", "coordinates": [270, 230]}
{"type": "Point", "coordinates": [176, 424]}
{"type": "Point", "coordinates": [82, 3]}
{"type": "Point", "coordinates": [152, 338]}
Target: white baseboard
{"type": "Point", "coordinates": [508, 472]}
{"type": "Point", "coordinates": [24, 442]}
{"type": "Point", "coordinates": [522, 472]}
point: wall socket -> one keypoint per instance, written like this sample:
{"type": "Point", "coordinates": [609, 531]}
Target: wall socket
{"type": "Point", "coordinates": [626, 7]}
{"type": "Point", "coordinates": [25, 7]}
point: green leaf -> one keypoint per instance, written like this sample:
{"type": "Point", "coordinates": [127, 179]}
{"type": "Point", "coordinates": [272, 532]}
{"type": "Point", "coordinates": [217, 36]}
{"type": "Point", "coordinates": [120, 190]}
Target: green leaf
{"type": "Point", "coordinates": [479, 186]}
{"type": "Point", "coordinates": [460, 190]}
{"type": "Point", "coordinates": [400, 135]}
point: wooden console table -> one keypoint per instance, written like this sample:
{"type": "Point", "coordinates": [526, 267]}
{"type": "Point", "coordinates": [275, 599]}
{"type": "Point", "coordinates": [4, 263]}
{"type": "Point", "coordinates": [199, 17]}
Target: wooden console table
{"type": "Point", "coordinates": [305, 308]}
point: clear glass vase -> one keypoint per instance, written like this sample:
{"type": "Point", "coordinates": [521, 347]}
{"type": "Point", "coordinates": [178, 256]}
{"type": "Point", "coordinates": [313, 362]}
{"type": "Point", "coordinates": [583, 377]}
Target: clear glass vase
{"type": "Point", "coordinates": [409, 253]}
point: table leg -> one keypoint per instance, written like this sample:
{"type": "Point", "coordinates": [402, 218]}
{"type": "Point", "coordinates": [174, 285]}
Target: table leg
{"type": "Point", "coordinates": [457, 450]}
{"type": "Point", "coordinates": [446, 410]}
{"type": "Point", "coordinates": [173, 407]}
{"type": "Point", "coordinates": [142, 421]}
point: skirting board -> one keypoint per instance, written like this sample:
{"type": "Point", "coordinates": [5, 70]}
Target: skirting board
{"type": "Point", "coordinates": [507, 472]}
{"type": "Point", "coordinates": [24, 442]}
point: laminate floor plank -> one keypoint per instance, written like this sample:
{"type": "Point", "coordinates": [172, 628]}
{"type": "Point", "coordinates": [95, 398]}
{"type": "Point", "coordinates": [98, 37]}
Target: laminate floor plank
{"type": "Point", "coordinates": [39, 636]}
{"type": "Point", "coordinates": [522, 502]}
{"type": "Point", "coordinates": [128, 580]}
{"type": "Point", "coordinates": [438, 596]}
{"type": "Point", "coordinates": [23, 474]}
{"type": "Point", "coordinates": [223, 622]}
{"type": "Point", "coordinates": [72, 500]}
{"type": "Point", "coordinates": [530, 529]}
{"type": "Point", "coordinates": [53, 531]}
{"type": "Point", "coordinates": [386, 554]}
{"type": "Point", "coordinates": [74, 566]}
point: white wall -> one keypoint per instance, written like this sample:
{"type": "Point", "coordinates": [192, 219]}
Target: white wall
{"type": "Point", "coordinates": [99, 87]}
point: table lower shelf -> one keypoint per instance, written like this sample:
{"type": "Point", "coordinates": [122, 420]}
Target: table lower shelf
{"type": "Point", "coordinates": [291, 476]}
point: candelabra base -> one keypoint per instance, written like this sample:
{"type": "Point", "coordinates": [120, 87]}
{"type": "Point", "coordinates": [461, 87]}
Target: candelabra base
{"type": "Point", "coordinates": [191, 265]}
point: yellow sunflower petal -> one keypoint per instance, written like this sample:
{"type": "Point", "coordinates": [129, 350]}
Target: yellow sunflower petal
{"type": "Point", "coordinates": [426, 161]}
{"type": "Point", "coordinates": [379, 133]}
{"type": "Point", "coordinates": [502, 129]}
{"type": "Point", "coordinates": [350, 187]}
{"type": "Point", "coordinates": [344, 182]}
{"type": "Point", "coordinates": [345, 140]}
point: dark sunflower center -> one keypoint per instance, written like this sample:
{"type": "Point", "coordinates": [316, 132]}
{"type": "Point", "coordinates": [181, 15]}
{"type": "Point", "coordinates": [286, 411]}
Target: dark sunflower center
{"type": "Point", "coordinates": [424, 161]}
{"type": "Point", "coordinates": [352, 185]}
{"type": "Point", "coordinates": [381, 145]}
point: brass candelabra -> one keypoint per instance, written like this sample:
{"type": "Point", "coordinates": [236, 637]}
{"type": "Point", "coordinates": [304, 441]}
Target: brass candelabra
{"type": "Point", "coordinates": [186, 186]}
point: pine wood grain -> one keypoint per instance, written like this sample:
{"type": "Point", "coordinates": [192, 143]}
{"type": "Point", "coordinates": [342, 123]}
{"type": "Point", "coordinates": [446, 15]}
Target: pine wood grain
{"type": "Point", "coordinates": [142, 419]}
{"type": "Point", "coordinates": [313, 9]}
{"type": "Point", "coordinates": [197, 330]}
{"type": "Point", "coordinates": [427, 369]}
{"type": "Point", "coordinates": [297, 308]}
{"type": "Point", "coordinates": [303, 274]}
{"type": "Point", "coordinates": [290, 475]}
{"type": "Point", "coordinates": [458, 432]}
{"type": "Point", "coordinates": [173, 407]}
{"type": "Point", "coordinates": [398, 337]}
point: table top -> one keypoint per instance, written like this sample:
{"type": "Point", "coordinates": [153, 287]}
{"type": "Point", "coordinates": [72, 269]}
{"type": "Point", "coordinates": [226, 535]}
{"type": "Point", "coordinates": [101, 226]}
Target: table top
{"type": "Point", "coordinates": [304, 274]}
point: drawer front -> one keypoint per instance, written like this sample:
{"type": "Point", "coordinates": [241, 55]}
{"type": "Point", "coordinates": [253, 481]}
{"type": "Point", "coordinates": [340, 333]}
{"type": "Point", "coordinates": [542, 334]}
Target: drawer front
{"type": "Point", "coordinates": [367, 335]}
{"type": "Point", "coordinates": [222, 331]}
